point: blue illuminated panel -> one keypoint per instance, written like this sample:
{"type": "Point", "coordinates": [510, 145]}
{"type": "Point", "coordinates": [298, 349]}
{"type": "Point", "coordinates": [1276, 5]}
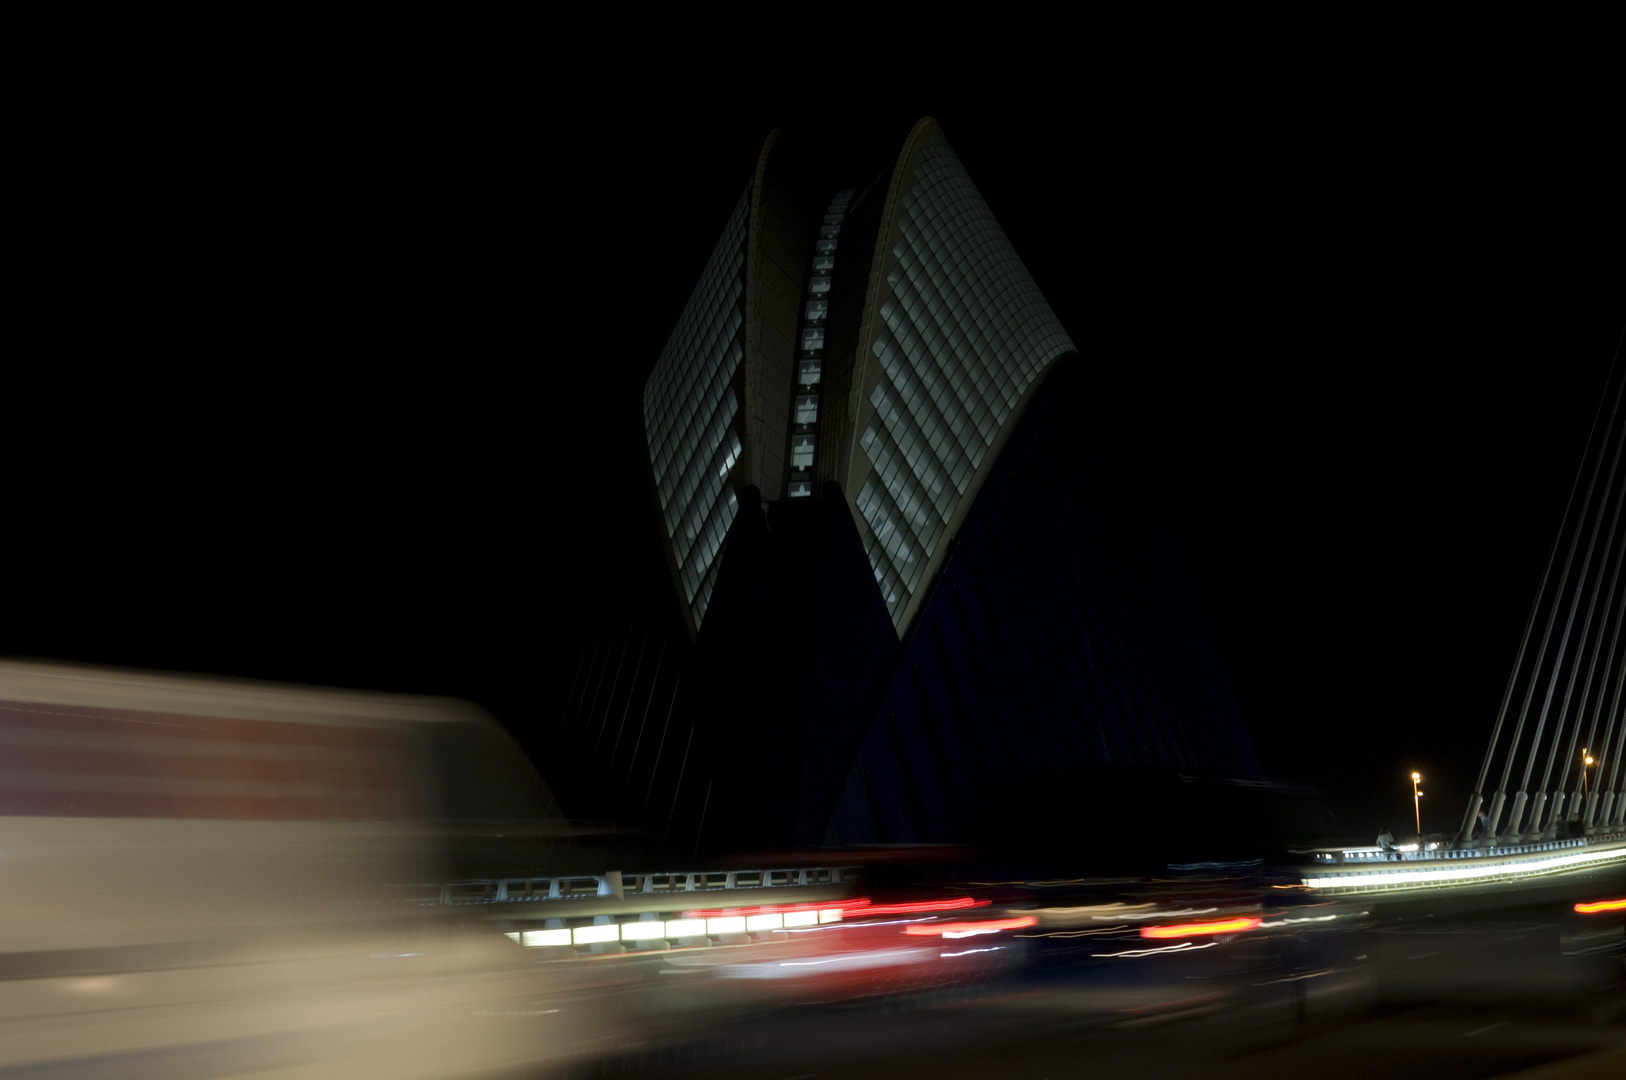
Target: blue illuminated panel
{"type": "Point", "coordinates": [691, 417]}
{"type": "Point", "coordinates": [963, 333]}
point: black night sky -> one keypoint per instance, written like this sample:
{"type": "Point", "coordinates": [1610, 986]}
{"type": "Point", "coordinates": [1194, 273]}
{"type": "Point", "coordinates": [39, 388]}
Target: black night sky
{"type": "Point", "coordinates": [347, 391]}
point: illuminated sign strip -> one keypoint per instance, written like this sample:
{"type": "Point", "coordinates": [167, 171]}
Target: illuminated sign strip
{"type": "Point", "coordinates": [1465, 873]}
{"type": "Point", "coordinates": [852, 908]}
{"type": "Point", "coordinates": [655, 930]}
{"type": "Point", "coordinates": [767, 918]}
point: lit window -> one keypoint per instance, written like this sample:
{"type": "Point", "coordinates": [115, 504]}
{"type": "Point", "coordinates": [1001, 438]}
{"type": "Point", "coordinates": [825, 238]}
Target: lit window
{"type": "Point", "coordinates": [813, 338]}
{"type": "Point", "coordinates": [800, 489]}
{"type": "Point", "coordinates": [827, 231]}
{"type": "Point", "coordinates": [808, 372]}
{"type": "Point", "coordinates": [820, 285]}
{"type": "Point", "coordinates": [826, 246]}
{"type": "Point", "coordinates": [817, 310]}
{"type": "Point", "coordinates": [807, 408]}
{"type": "Point", "coordinates": [801, 451]}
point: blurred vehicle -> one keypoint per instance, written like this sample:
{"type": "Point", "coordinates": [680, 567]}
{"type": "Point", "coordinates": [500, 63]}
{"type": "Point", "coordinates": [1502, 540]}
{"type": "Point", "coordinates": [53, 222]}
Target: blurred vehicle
{"type": "Point", "coordinates": [202, 877]}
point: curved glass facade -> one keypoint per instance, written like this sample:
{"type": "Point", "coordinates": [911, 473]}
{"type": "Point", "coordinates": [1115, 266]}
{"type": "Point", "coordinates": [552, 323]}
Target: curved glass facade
{"type": "Point", "coordinates": [962, 333]}
{"type": "Point", "coordinates": [691, 417]}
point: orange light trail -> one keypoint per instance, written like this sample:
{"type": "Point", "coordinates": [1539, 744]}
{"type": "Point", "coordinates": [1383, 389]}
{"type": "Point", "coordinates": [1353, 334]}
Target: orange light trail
{"type": "Point", "coordinates": [1601, 905]}
{"type": "Point", "coordinates": [1220, 926]}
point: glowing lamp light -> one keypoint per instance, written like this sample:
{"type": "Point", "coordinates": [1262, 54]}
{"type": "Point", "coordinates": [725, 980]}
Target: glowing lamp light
{"type": "Point", "coordinates": [1601, 905]}
{"type": "Point", "coordinates": [728, 924]}
{"type": "Point", "coordinates": [592, 935]}
{"type": "Point", "coordinates": [539, 938]}
{"type": "Point", "coordinates": [801, 918]}
{"type": "Point", "coordinates": [1218, 926]}
{"type": "Point", "coordinates": [969, 929]}
{"type": "Point", "coordinates": [764, 922]}
{"type": "Point", "coordinates": [677, 928]}
{"type": "Point", "coordinates": [642, 931]}
{"type": "Point", "coordinates": [830, 915]}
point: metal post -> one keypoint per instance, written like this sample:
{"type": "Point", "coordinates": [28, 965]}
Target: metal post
{"type": "Point", "coordinates": [654, 684]}
{"type": "Point", "coordinates": [627, 708]}
{"type": "Point", "coordinates": [620, 665]}
{"type": "Point", "coordinates": [699, 832]}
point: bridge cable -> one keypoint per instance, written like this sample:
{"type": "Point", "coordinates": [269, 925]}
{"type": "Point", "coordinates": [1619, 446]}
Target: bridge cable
{"type": "Point", "coordinates": [1515, 824]}
{"type": "Point", "coordinates": [1580, 649]}
{"type": "Point", "coordinates": [1478, 797]}
{"type": "Point", "coordinates": [1619, 810]}
{"type": "Point", "coordinates": [1546, 637]}
{"type": "Point", "coordinates": [1608, 655]}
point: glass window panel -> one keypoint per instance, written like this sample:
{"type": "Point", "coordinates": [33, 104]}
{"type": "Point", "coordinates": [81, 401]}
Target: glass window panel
{"type": "Point", "coordinates": [807, 409]}
{"type": "Point", "coordinates": [819, 285]}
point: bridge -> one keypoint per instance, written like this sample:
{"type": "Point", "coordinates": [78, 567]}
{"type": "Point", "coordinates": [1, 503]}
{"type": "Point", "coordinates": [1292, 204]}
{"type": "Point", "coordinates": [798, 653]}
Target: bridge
{"type": "Point", "coordinates": [1569, 681]}
{"type": "Point", "coordinates": [1569, 687]}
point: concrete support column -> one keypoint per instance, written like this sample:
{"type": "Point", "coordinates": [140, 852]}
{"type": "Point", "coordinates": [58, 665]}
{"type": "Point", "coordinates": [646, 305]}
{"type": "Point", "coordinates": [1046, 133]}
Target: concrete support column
{"type": "Point", "coordinates": [1470, 819]}
{"type": "Point", "coordinates": [1606, 811]}
{"type": "Point", "coordinates": [1536, 807]}
{"type": "Point", "coordinates": [1515, 819]}
{"type": "Point", "coordinates": [1591, 808]}
{"type": "Point", "coordinates": [1494, 818]}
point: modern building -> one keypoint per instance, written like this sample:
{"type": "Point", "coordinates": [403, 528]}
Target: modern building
{"type": "Point", "coordinates": [913, 582]}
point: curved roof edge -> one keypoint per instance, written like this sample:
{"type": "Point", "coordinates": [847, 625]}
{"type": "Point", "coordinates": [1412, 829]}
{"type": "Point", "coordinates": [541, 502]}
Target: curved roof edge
{"type": "Point", "coordinates": [1034, 341]}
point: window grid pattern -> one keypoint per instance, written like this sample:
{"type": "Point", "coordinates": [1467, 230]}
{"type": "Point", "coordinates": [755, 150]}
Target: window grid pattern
{"type": "Point", "coordinates": [691, 417]}
{"type": "Point", "coordinates": [963, 333]}
{"type": "Point", "coordinates": [810, 351]}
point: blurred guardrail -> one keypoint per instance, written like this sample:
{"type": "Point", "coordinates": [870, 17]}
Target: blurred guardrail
{"type": "Point", "coordinates": [613, 912]}
{"type": "Point", "coordinates": [1336, 872]}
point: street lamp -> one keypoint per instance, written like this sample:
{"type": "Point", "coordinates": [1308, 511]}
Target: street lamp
{"type": "Point", "coordinates": [1416, 804]}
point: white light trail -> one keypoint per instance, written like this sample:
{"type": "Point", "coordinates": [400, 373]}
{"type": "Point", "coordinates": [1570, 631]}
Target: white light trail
{"type": "Point", "coordinates": [1158, 914]}
{"type": "Point", "coordinates": [1184, 946]}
